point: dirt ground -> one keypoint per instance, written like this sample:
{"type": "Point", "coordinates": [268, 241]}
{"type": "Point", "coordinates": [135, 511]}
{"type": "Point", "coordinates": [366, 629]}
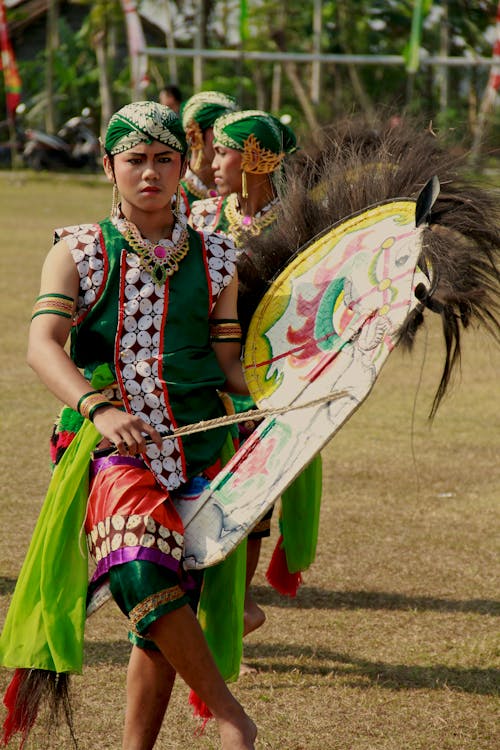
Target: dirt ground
{"type": "Point", "coordinates": [392, 641]}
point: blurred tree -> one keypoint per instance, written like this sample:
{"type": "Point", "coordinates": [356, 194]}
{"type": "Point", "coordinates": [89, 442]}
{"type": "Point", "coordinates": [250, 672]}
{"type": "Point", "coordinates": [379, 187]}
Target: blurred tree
{"type": "Point", "coordinates": [103, 19]}
{"type": "Point", "coordinates": [83, 68]}
{"type": "Point", "coordinates": [51, 45]}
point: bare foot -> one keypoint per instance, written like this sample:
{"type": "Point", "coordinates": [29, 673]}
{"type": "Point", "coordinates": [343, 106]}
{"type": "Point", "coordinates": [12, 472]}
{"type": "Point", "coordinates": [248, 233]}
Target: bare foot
{"type": "Point", "coordinates": [253, 617]}
{"type": "Point", "coordinates": [238, 734]}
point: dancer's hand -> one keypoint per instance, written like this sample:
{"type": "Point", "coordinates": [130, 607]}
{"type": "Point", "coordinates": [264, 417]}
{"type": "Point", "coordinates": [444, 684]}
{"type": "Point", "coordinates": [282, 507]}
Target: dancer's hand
{"type": "Point", "coordinates": [126, 431]}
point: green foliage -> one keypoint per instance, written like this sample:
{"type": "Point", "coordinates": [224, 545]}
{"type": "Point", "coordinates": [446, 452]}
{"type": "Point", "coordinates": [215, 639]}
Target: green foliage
{"type": "Point", "coordinates": [104, 13]}
{"type": "Point", "coordinates": [75, 74]}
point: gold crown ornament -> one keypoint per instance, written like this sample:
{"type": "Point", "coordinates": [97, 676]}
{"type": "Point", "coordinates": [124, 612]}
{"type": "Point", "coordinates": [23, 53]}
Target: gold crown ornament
{"type": "Point", "coordinates": [258, 160]}
{"type": "Point", "coordinates": [194, 137]}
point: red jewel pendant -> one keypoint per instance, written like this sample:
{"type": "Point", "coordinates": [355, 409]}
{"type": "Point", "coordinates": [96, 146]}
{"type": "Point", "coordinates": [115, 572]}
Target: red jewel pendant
{"type": "Point", "coordinates": [246, 221]}
{"type": "Point", "coordinates": [159, 251]}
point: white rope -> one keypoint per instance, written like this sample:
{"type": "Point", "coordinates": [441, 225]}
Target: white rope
{"type": "Point", "coordinates": [254, 414]}
{"type": "Point", "coordinates": [210, 424]}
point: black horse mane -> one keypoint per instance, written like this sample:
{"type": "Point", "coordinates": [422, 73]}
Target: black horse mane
{"type": "Point", "coordinates": [358, 165]}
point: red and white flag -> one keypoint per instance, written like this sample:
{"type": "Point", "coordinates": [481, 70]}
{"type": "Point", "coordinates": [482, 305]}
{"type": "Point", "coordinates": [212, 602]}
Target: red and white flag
{"type": "Point", "coordinates": [11, 75]}
{"type": "Point", "coordinates": [494, 81]}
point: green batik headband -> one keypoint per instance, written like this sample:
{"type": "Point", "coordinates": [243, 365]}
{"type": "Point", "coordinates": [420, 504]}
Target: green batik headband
{"type": "Point", "coordinates": [144, 122]}
{"type": "Point", "coordinates": [262, 139]}
{"type": "Point", "coordinates": [205, 107]}
{"type": "Point", "coordinates": [199, 113]}
{"type": "Point", "coordinates": [233, 129]}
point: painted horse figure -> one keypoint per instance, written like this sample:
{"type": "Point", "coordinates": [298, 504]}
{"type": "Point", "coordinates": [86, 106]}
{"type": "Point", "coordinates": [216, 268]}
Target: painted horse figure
{"type": "Point", "coordinates": [376, 228]}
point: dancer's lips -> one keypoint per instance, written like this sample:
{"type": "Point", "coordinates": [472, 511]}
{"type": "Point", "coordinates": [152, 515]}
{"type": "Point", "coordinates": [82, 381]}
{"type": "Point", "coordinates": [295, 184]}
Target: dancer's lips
{"type": "Point", "coordinates": [150, 189]}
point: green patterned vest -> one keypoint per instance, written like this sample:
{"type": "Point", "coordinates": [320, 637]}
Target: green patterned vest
{"type": "Point", "coordinates": [153, 338]}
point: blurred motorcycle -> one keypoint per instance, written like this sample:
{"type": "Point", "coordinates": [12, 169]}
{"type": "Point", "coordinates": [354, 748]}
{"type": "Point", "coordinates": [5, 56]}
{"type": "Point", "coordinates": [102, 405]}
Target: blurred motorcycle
{"type": "Point", "coordinates": [73, 147]}
{"type": "Point", "coordinates": [14, 143]}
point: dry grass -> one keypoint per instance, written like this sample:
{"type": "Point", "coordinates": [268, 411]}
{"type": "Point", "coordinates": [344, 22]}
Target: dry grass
{"type": "Point", "coordinates": [392, 642]}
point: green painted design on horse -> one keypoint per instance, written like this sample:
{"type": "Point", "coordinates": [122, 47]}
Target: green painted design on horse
{"type": "Point", "coordinates": [281, 434]}
{"type": "Point", "coordinates": [274, 379]}
{"type": "Point", "coordinates": [372, 268]}
{"type": "Point", "coordinates": [323, 326]}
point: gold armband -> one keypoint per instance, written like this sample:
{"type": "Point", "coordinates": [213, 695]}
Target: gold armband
{"type": "Point", "coordinates": [225, 330]}
{"type": "Point", "coordinates": [53, 304]}
{"type": "Point", "coordinates": [90, 402]}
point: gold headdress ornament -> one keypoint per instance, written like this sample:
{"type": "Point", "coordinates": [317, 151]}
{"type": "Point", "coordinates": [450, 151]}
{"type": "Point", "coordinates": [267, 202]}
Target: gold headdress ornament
{"type": "Point", "coordinates": [200, 113]}
{"type": "Point", "coordinates": [194, 137]}
{"type": "Point", "coordinates": [258, 160]}
{"type": "Point", "coordinates": [262, 138]}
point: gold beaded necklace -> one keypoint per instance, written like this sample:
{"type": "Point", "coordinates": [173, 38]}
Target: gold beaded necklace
{"type": "Point", "coordinates": [239, 225]}
{"type": "Point", "coordinates": [160, 258]}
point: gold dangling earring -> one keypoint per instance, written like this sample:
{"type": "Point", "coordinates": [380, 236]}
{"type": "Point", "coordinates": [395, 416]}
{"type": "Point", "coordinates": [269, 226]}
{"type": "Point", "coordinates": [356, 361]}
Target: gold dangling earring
{"type": "Point", "coordinates": [244, 187]}
{"type": "Point", "coordinates": [115, 202]}
{"type": "Point", "coordinates": [178, 204]}
{"type": "Point", "coordinates": [199, 159]}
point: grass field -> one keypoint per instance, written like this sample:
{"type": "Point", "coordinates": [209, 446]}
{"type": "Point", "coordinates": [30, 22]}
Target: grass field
{"type": "Point", "coordinates": [393, 640]}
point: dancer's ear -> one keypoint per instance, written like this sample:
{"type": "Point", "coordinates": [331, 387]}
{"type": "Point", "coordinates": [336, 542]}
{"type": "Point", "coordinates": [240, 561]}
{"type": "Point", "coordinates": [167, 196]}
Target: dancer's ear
{"type": "Point", "coordinates": [107, 163]}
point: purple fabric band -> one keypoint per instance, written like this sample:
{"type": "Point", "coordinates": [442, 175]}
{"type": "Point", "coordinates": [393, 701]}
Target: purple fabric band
{"type": "Point", "coordinates": [98, 464]}
{"type": "Point", "coordinates": [127, 554]}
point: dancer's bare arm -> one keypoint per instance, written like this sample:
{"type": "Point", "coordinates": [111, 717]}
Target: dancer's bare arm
{"type": "Point", "coordinates": [228, 353]}
{"type": "Point", "coordinates": [48, 357]}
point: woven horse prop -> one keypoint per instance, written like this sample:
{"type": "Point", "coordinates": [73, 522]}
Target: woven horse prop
{"type": "Point", "coordinates": [346, 275]}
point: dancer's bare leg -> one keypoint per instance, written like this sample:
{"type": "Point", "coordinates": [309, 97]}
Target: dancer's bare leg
{"type": "Point", "coordinates": [150, 679]}
{"type": "Point", "coordinates": [179, 637]}
{"type": "Point", "coordinates": [253, 616]}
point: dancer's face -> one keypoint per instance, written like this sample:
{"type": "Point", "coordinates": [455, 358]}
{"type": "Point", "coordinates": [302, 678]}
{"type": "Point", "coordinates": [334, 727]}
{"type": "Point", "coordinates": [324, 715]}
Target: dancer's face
{"type": "Point", "coordinates": [146, 175]}
{"type": "Point", "coordinates": [227, 169]}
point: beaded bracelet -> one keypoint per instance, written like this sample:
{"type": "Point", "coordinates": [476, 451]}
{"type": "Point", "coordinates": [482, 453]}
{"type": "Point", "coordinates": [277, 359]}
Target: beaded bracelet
{"type": "Point", "coordinates": [90, 402]}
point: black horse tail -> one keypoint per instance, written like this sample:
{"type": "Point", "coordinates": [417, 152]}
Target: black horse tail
{"type": "Point", "coordinates": [28, 692]}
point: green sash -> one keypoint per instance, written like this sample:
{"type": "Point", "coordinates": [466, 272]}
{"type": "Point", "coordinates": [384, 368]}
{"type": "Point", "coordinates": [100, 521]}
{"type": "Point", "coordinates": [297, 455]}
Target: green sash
{"type": "Point", "coordinates": [45, 623]}
{"type": "Point", "coordinates": [221, 606]}
{"type": "Point", "coordinates": [44, 628]}
{"type": "Point", "coordinates": [300, 508]}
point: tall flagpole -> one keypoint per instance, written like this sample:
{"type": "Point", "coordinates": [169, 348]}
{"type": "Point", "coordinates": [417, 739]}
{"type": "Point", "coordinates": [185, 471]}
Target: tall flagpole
{"type": "Point", "coordinates": [489, 97]}
{"type": "Point", "coordinates": [136, 46]}
{"type": "Point", "coordinates": [316, 65]}
{"type": "Point", "coordinates": [197, 46]}
{"type": "Point", "coordinates": [413, 51]}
